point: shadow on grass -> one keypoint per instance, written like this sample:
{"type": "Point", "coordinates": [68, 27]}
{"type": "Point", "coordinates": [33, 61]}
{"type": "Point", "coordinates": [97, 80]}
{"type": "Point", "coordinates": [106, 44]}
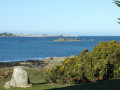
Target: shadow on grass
{"type": "Point", "coordinates": [113, 84]}
{"type": "Point", "coordinates": [38, 83]}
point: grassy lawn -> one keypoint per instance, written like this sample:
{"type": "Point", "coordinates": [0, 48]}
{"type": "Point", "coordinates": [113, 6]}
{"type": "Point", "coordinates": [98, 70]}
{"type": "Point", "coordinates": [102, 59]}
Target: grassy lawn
{"type": "Point", "coordinates": [37, 78]}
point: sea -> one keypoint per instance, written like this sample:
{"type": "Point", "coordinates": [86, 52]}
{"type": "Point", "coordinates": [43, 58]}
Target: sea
{"type": "Point", "coordinates": [32, 48]}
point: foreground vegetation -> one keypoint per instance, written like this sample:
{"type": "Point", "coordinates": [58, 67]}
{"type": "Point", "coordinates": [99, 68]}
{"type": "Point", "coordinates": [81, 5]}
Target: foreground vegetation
{"type": "Point", "coordinates": [103, 62]}
{"type": "Point", "coordinates": [37, 77]}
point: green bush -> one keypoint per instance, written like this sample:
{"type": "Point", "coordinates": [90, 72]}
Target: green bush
{"type": "Point", "coordinates": [103, 62]}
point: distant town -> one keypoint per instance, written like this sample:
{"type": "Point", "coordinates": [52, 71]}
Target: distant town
{"type": "Point", "coordinates": [6, 34]}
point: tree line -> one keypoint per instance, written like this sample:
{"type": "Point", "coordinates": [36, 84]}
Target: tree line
{"type": "Point", "coordinates": [6, 34]}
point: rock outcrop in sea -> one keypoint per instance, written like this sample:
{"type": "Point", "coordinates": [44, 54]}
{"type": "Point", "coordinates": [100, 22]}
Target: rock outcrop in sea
{"type": "Point", "coordinates": [62, 39]}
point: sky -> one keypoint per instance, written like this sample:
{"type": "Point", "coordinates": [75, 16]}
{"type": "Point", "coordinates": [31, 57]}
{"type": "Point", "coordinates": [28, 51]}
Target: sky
{"type": "Point", "coordinates": [56, 17]}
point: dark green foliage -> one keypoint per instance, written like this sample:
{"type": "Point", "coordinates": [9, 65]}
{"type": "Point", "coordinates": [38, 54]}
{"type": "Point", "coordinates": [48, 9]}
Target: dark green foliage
{"type": "Point", "coordinates": [6, 34]}
{"type": "Point", "coordinates": [119, 19]}
{"type": "Point", "coordinates": [118, 4]}
{"type": "Point", "coordinates": [103, 62]}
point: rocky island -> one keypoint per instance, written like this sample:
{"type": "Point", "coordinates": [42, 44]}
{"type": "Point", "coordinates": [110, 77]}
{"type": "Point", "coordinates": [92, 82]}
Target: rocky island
{"type": "Point", "coordinates": [62, 39]}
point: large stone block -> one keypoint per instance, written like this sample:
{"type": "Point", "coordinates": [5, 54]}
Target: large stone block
{"type": "Point", "coordinates": [19, 79]}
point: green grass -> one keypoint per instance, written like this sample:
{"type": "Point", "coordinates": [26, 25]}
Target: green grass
{"type": "Point", "coordinates": [37, 78]}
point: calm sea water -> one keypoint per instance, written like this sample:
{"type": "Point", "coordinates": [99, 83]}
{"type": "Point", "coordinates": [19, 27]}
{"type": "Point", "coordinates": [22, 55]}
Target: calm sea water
{"type": "Point", "coordinates": [40, 47]}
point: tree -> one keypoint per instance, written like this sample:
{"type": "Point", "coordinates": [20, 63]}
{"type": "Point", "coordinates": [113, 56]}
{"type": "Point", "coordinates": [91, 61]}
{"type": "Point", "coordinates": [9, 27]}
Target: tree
{"type": "Point", "coordinates": [118, 4]}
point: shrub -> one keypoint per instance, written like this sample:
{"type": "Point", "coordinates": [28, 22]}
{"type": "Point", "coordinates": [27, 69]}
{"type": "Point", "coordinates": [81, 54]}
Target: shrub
{"type": "Point", "coordinates": [103, 62]}
{"type": "Point", "coordinates": [5, 73]}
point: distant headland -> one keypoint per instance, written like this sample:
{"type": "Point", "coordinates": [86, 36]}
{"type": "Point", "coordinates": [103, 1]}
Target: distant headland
{"type": "Point", "coordinates": [6, 34]}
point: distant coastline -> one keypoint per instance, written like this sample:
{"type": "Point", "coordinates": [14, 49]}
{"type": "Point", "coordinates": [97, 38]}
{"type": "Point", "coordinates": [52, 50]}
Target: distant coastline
{"type": "Point", "coordinates": [5, 34]}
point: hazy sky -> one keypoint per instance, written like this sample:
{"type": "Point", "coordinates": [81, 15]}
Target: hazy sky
{"type": "Point", "coordinates": [76, 17]}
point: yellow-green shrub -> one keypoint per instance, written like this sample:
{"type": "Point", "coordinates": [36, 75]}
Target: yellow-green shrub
{"type": "Point", "coordinates": [103, 62]}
